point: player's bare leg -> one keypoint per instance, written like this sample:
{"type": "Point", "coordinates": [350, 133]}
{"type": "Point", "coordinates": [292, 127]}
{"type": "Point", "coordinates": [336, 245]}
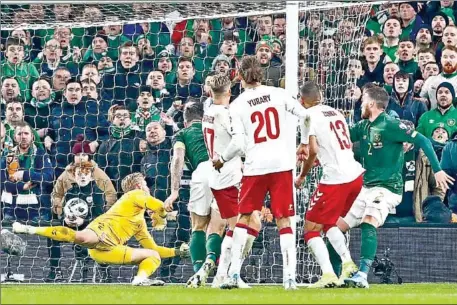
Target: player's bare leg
{"type": "Point", "coordinates": [215, 230]}
{"type": "Point", "coordinates": [289, 259]}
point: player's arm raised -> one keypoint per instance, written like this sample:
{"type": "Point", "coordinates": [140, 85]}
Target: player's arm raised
{"type": "Point", "coordinates": [177, 165]}
{"type": "Point", "coordinates": [237, 144]}
{"type": "Point", "coordinates": [399, 132]}
{"type": "Point", "coordinates": [294, 107]}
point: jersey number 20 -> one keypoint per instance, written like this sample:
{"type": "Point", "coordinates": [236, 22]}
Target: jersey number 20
{"type": "Point", "coordinates": [268, 119]}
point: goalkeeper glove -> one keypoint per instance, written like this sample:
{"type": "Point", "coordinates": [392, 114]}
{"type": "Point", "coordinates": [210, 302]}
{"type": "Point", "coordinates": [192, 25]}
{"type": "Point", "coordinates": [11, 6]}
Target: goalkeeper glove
{"type": "Point", "coordinates": [183, 251]}
{"type": "Point", "coordinates": [159, 223]}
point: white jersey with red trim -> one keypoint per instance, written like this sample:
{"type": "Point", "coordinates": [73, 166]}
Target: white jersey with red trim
{"type": "Point", "coordinates": [335, 154]}
{"type": "Point", "coordinates": [217, 132]}
{"type": "Point", "coordinates": [259, 123]}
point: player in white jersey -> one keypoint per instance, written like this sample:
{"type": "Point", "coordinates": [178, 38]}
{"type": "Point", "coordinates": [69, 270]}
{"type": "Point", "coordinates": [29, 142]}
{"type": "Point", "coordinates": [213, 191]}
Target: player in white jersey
{"type": "Point", "coordinates": [259, 130]}
{"type": "Point", "coordinates": [341, 182]}
{"type": "Point", "coordinates": [224, 183]}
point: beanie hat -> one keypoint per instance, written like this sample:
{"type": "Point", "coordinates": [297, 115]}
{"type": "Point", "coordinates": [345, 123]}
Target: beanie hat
{"type": "Point", "coordinates": [449, 13]}
{"type": "Point", "coordinates": [448, 86]}
{"type": "Point", "coordinates": [142, 36]}
{"type": "Point", "coordinates": [102, 35]}
{"type": "Point", "coordinates": [413, 34]}
{"type": "Point", "coordinates": [231, 36]}
{"type": "Point", "coordinates": [219, 58]}
{"type": "Point", "coordinates": [144, 88]}
{"type": "Point", "coordinates": [263, 43]}
{"type": "Point", "coordinates": [273, 39]}
{"type": "Point", "coordinates": [413, 5]}
{"type": "Point", "coordinates": [446, 17]}
{"type": "Point", "coordinates": [81, 146]}
{"type": "Point", "coordinates": [163, 54]}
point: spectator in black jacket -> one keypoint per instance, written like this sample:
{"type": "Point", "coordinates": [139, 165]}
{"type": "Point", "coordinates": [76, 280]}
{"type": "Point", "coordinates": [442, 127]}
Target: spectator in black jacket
{"type": "Point", "coordinates": [120, 155]}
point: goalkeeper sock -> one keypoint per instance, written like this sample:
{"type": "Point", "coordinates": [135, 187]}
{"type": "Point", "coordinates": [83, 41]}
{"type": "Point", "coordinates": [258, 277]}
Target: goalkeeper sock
{"type": "Point", "coordinates": [240, 235]}
{"type": "Point", "coordinates": [213, 247]}
{"type": "Point", "coordinates": [148, 266]}
{"type": "Point", "coordinates": [197, 249]}
{"type": "Point", "coordinates": [369, 246]}
{"type": "Point", "coordinates": [335, 259]}
{"type": "Point", "coordinates": [317, 245]}
{"type": "Point", "coordinates": [337, 240]}
{"type": "Point", "coordinates": [226, 250]}
{"type": "Point", "coordinates": [287, 242]}
{"type": "Point", "coordinates": [58, 233]}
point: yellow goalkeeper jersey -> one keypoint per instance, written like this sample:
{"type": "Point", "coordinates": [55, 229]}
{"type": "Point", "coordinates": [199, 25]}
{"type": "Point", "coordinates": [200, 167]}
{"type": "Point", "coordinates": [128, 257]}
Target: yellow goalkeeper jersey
{"type": "Point", "coordinates": [125, 219]}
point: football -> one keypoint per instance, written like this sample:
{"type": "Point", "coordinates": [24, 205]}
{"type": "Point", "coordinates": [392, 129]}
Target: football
{"type": "Point", "coordinates": [76, 207]}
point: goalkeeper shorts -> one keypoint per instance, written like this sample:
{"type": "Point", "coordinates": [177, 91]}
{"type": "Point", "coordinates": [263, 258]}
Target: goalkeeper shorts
{"type": "Point", "coordinates": [117, 255]}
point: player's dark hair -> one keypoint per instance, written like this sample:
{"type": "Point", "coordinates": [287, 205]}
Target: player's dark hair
{"type": "Point", "coordinates": [378, 95]}
{"type": "Point", "coordinates": [310, 91]}
{"type": "Point", "coordinates": [193, 112]}
{"type": "Point", "coordinates": [250, 70]}
{"type": "Point", "coordinates": [72, 80]}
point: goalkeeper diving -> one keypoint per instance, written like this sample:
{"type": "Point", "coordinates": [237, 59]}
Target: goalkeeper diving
{"type": "Point", "coordinates": [106, 236]}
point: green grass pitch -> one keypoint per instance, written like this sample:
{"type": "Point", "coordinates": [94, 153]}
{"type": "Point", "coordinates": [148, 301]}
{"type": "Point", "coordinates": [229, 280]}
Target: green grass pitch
{"type": "Point", "coordinates": [123, 294]}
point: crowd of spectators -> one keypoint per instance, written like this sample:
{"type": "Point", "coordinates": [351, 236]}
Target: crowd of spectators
{"type": "Point", "coordinates": [84, 107]}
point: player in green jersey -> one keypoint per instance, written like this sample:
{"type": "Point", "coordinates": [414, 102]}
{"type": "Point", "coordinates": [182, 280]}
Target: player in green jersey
{"type": "Point", "coordinates": [381, 140]}
{"type": "Point", "coordinates": [189, 145]}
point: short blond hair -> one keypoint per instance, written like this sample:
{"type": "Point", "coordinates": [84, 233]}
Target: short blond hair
{"type": "Point", "coordinates": [130, 182]}
{"type": "Point", "coordinates": [219, 84]}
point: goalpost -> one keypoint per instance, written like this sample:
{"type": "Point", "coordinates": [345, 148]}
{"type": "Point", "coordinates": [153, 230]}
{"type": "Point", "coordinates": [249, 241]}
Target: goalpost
{"type": "Point", "coordinates": [326, 34]}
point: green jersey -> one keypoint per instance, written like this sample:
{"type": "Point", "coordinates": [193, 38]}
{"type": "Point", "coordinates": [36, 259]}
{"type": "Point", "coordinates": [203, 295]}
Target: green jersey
{"type": "Point", "coordinates": [194, 144]}
{"type": "Point", "coordinates": [381, 151]}
{"type": "Point", "coordinates": [434, 119]}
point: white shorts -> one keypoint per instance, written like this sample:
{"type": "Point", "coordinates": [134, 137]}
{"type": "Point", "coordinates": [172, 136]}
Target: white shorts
{"type": "Point", "coordinates": [377, 202]}
{"type": "Point", "coordinates": [201, 196]}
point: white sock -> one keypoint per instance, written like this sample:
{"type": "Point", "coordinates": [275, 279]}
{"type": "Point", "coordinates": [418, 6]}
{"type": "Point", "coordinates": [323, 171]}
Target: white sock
{"type": "Point", "coordinates": [248, 246]}
{"type": "Point", "coordinates": [363, 274]}
{"type": "Point", "coordinates": [321, 255]}
{"type": "Point", "coordinates": [336, 238]}
{"type": "Point", "coordinates": [240, 236]}
{"type": "Point", "coordinates": [224, 260]}
{"type": "Point", "coordinates": [287, 242]}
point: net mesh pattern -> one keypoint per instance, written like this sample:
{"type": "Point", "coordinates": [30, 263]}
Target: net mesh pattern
{"type": "Point", "coordinates": [330, 36]}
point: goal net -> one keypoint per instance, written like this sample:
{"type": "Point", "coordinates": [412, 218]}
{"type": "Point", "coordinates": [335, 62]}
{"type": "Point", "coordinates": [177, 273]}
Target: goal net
{"type": "Point", "coordinates": [84, 40]}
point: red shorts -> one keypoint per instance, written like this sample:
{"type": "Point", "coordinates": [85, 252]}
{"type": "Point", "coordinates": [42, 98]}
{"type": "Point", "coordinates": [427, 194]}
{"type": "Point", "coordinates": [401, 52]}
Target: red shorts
{"type": "Point", "coordinates": [279, 185]}
{"type": "Point", "coordinates": [330, 202]}
{"type": "Point", "coordinates": [227, 201]}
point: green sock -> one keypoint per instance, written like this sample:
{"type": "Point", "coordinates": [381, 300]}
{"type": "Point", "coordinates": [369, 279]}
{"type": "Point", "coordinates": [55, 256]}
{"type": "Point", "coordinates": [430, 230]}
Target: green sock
{"type": "Point", "coordinates": [197, 249]}
{"type": "Point", "coordinates": [213, 247]}
{"type": "Point", "coordinates": [335, 259]}
{"type": "Point", "coordinates": [369, 246]}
